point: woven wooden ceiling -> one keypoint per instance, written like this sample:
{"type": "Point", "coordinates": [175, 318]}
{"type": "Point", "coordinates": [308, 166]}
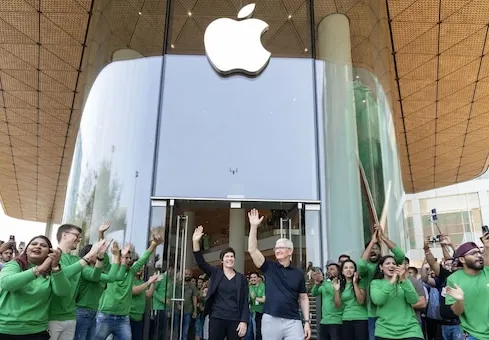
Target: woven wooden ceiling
{"type": "Point", "coordinates": [52, 50]}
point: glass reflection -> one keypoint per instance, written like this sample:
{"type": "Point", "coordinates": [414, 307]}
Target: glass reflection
{"type": "Point", "coordinates": [111, 174]}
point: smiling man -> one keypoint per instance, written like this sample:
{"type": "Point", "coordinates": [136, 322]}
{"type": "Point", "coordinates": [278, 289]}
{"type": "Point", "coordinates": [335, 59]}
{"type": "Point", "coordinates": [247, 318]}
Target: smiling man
{"type": "Point", "coordinates": [285, 287]}
{"type": "Point", "coordinates": [62, 316]}
{"type": "Point", "coordinates": [467, 290]}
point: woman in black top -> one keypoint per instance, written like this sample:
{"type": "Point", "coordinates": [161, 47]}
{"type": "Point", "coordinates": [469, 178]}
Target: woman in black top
{"type": "Point", "coordinates": [227, 297]}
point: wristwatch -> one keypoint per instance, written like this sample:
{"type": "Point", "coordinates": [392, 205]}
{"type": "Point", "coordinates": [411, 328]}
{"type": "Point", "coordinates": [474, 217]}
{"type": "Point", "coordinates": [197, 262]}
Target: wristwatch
{"type": "Point", "coordinates": [56, 269]}
{"type": "Point", "coordinates": [305, 321]}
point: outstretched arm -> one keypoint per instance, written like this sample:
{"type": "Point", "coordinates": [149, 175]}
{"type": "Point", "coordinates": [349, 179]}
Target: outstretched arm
{"type": "Point", "coordinates": [256, 255]}
{"type": "Point", "coordinates": [199, 258]}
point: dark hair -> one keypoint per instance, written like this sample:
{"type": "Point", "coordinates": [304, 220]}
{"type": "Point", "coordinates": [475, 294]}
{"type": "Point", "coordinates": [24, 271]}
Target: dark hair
{"type": "Point", "coordinates": [256, 273]}
{"type": "Point", "coordinates": [344, 255]}
{"type": "Point", "coordinates": [225, 251]}
{"type": "Point", "coordinates": [22, 258]}
{"type": "Point", "coordinates": [377, 243]}
{"type": "Point", "coordinates": [413, 269]}
{"type": "Point", "coordinates": [334, 264]}
{"type": "Point", "coordinates": [85, 250]}
{"type": "Point", "coordinates": [342, 277]}
{"type": "Point", "coordinates": [406, 260]}
{"type": "Point", "coordinates": [378, 273]}
{"type": "Point", "coordinates": [64, 228]}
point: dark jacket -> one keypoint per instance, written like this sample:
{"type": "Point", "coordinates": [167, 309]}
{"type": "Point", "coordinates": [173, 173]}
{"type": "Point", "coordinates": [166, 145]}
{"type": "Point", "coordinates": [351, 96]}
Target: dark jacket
{"type": "Point", "coordinates": [216, 274]}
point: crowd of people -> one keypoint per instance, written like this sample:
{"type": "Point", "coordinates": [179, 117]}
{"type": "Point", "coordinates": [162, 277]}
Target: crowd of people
{"type": "Point", "coordinates": [48, 293]}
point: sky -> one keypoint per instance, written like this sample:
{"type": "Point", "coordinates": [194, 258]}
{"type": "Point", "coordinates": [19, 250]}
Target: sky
{"type": "Point", "coordinates": [23, 230]}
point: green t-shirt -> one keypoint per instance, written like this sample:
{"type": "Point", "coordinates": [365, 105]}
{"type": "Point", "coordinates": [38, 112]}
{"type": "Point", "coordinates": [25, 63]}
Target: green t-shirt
{"type": "Point", "coordinates": [64, 308]}
{"type": "Point", "coordinates": [352, 310]}
{"type": "Point", "coordinates": [160, 294]}
{"type": "Point", "coordinates": [330, 315]}
{"type": "Point", "coordinates": [138, 302]}
{"type": "Point", "coordinates": [190, 290]}
{"type": "Point", "coordinates": [475, 318]}
{"type": "Point", "coordinates": [89, 292]}
{"type": "Point", "coordinates": [366, 270]}
{"type": "Point", "coordinates": [396, 317]}
{"type": "Point", "coordinates": [25, 299]}
{"type": "Point", "coordinates": [258, 291]}
{"type": "Point", "coordinates": [116, 299]}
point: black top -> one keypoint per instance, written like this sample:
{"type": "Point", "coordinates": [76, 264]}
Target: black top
{"type": "Point", "coordinates": [226, 303]}
{"type": "Point", "coordinates": [283, 286]}
{"type": "Point", "coordinates": [449, 317]}
{"type": "Point", "coordinates": [216, 276]}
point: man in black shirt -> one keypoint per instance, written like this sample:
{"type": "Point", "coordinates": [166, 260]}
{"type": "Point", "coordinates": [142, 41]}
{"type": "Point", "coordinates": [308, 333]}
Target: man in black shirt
{"type": "Point", "coordinates": [285, 287]}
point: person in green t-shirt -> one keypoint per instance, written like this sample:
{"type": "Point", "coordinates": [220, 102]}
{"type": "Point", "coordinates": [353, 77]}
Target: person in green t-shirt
{"type": "Point", "coordinates": [140, 291]}
{"type": "Point", "coordinates": [330, 325]}
{"type": "Point", "coordinates": [367, 266]}
{"type": "Point", "coordinates": [467, 290]}
{"type": "Point", "coordinates": [62, 312]}
{"type": "Point", "coordinates": [115, 303]}
{"type": "Point", "coordinates": [27, 285]}
{"type": "Point", "coordinates": [89, 293]}
{"type": "Point", "coordinates": [161, 295]}
{"type": "Point", "coordinates": [257, 299]}
{"type": "Point", "coordinates": [393, 295]}
{"type": "Point", "coordinates": [350, 294]}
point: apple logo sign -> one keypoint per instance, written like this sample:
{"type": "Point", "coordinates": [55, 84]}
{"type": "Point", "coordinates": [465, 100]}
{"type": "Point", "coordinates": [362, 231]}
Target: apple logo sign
{"type": "Point", "coordinates": [235, 45]}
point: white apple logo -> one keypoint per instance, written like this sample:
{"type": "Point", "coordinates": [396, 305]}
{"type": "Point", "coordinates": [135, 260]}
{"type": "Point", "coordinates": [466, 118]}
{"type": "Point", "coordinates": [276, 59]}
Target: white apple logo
{"type": "Point", "coordinates": [235, 45]}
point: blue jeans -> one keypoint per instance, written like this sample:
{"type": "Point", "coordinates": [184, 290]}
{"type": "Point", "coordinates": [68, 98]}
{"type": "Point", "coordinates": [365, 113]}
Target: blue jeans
{"type": "Point", "coordinates": [117, 325]}
{"type": "Point", "coordinates": [137, 329]}
{"type": "Point", "coordinates": [187, 317]}
{"type": "Point", "coordinates": [452, 332]}
{"type": "Point", "coordinates": [85, 324]}
{"type": "Point", "coordinates": [250, 333]}
{"type": "Point", "coordinates": [371, 328]}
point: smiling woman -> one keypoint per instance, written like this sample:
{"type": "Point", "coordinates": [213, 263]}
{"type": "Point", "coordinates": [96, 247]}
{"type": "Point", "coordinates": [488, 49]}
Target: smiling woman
{"type": "Point", "coordinates": [27, 286]}
{"type": "Point", "coordinates": [227, 297]}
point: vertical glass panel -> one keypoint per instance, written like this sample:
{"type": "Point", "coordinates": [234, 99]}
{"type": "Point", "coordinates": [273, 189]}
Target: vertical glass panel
{"type": "Point", "coordinates": [288, 34]}
{"type": "Point", "coordinates": [473, 200]}
{"type": "Point", "coordinates": [224, 137]}
{"type": "Point", "coordinates": [111, 173]}
{"type": "Point", "coordinates": [313, 237]}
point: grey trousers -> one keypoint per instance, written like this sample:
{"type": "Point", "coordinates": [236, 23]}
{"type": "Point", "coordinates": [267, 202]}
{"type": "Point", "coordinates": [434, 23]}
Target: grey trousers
{"type": "Point", "coordinates": [273, 328]}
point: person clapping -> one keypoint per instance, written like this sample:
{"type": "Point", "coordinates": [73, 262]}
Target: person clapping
{"type": "Point", "coordinates": [27, 285]}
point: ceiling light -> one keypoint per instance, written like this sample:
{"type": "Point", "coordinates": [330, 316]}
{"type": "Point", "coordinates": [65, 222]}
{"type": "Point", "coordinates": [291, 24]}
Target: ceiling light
{"type": "Point", "coordinates": [189, 14]}
{"type": "Point", "coordinates": [358, 77]}
{"type": "Point", "coordinates": [172, 46]}
{"type": "Point", "coordinates": [364, 101]}
{"type": "Point", "coordinates": [305, 50]}
{"type": "Point", "coordinates": [140, 13]}
{"type": "Point", "coordinates": [290, 16]}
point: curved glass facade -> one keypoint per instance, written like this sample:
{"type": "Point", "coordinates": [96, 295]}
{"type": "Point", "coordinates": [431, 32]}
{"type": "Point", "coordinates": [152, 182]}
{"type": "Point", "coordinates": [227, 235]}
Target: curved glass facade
{"type": "Point", "coordinates": [172, 127]}
{"type": "Point", "coordinates": [111, 175]}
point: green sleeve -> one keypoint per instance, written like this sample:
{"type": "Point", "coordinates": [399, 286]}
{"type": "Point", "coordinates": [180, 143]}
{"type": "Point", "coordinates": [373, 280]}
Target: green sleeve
{"type": "Point", "coordinates": [141, 262]}
{"type": "Point", "coordinates": [157, 295]}
{"type": "Point", "coordinates": [91, 273]}
{"type": "Point", "coordinates": [316, 290]}
{"type": "Point", "coordinates": [399, 255]}
{"type": "Point", "coordinates": [111, 276]}
{"type": "Point", "coordinates": [448, 299]}
{"type": "Point", "coordinates": [410, 294]}
{"type": "Point", "coordinates": [362, 267]}
{"type": "Point", "coordinates": [12, 278]}
{"type": "Point", "coordinates": [362, 284]}
{"type": "Point", "coordinates": [380, 291]}
{"type": "Point", "coordinates": [72, 269]}
{"type": "Point", "coordinates": [60, 284]}
{"type": "Point", "coordinates": [121, 273]}
{"type": "Point", "coordinates": [195, 291]}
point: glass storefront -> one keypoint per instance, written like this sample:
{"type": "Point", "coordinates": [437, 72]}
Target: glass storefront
{"type": "Point", "coordinates": [168, 142]}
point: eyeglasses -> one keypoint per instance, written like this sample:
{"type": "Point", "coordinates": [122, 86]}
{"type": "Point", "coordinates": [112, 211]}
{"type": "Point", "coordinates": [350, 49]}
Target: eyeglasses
{"type": "Point", "coordinates": [72, 233]}
{"type": "Point", "coordinates": [281, 248]}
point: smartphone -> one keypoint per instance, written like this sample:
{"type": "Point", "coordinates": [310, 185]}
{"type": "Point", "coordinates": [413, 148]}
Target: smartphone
{"type": "Point", "coordinates": [22, 245]}
{"type": "Point", "coordinates": [12, 238]}
{"type": "Point", "coordinates": [485, 229]}
{"type": "Point", "coordinates": [436, 239]}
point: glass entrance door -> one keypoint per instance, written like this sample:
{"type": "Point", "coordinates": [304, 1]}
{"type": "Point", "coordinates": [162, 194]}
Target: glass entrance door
{"type": "Point", "coordinates": [225, 225]}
